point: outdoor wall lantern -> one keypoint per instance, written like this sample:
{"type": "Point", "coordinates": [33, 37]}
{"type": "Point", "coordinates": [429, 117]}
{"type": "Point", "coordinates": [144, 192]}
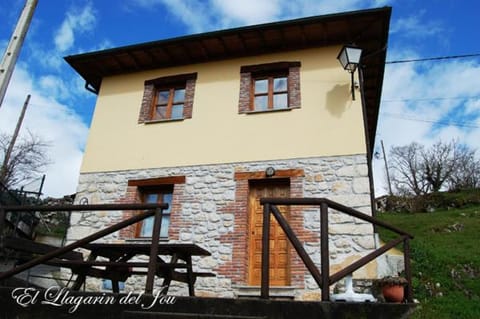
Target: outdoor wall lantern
{"type": "Point", "coordinates": [349, 58]}
{"type": "Point", "coordinates": [270, 171]}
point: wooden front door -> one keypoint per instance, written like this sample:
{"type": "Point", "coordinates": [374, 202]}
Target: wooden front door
{"type": "Point", "coordinates": [279, 256]}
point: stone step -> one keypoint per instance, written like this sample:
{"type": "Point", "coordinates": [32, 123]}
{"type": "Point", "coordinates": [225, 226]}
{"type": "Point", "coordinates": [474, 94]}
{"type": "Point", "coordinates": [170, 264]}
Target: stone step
{"type": "Point", "coordinates": [166, 315]}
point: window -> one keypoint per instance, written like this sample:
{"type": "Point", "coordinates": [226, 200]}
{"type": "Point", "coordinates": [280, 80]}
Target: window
{"type": "Point", "coordinates": [168, 98]}
{"type": "Point", "coordinates": [269, 87]}
{"type": "Point", "coordinates": [151, 196]}
{"type": "Point", "coordinates": [169, 103]}
{"type": "Point", "coordinates": [269, 92]}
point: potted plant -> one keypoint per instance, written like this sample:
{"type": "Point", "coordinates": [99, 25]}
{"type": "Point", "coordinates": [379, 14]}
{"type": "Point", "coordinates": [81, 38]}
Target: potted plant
{"type": "Point", "coordinates": [393, 288]}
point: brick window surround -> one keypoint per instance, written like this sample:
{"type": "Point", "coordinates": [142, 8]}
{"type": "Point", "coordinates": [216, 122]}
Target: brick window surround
{"type": "Point", "coordinates": [134, 195]}
{"type": "Point", "coordinates": [151, 87]}
{"type": "Point", "coordinates": [248, 74]}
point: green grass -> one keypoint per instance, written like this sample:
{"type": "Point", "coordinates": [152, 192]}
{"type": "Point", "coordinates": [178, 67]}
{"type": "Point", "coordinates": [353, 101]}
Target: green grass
{"type": "Point", "coordinates": [445, 260]}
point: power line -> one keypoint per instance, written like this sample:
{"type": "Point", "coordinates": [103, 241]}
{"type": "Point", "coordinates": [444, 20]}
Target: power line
{"type": "Point", "coordinates": [443, 123]}
{"type": "Point", "coordinates": [435, 58]}
{"type": "Point", "coordinates": [433, 99]}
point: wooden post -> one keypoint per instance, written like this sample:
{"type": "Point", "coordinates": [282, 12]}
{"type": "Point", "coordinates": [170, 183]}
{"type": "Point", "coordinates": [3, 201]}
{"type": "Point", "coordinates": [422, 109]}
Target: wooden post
{"type": "Point", "coordinates": [2, 227]}
{"type": "Point", "coordinates": [325, 255]}
{"type": "Point", "coordinates": [8, 153]}
{"type": "Point", "coordinates": [264, 293]}
{"type": "Point", "coordinates": [12, 52]}
{"type": "Point", "coordinates": [152, 264]}
{"type": "Point", "coordinates": [386, 169]}
{"type": "Point", "coordinates": [408, 270]}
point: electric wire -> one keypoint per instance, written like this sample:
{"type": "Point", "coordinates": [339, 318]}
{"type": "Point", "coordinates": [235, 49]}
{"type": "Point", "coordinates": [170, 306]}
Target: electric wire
{"type": "Point", "coordinates": [447, 57]}
{"type": "Point", "coordinates": [442, 123]}
{"type": "Point", "coordinates": [432, 99]}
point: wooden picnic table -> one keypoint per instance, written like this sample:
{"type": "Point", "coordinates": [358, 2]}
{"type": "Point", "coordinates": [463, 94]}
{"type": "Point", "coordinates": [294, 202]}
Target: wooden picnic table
{"type": "Point", "coordinates": [174, 262]}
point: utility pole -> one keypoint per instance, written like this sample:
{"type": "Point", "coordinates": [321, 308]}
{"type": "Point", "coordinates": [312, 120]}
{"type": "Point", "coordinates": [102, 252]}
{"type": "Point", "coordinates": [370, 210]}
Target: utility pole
{"type": "Point", "coordinates": [14, 46]}
{"type": "Point", "coordinates": [8, 153]}
{"type": "Point", "coordinates": [386, 170]}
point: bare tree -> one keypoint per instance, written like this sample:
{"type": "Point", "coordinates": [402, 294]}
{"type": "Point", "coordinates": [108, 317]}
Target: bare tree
{"type": "Point", "coordinates": [407, 168]}
{"type": "Point", "coordinates": [466, 174]}
{"type": "Point", "coordinates": [27, 160]}
{"type": "Point", "coordinates": [418, 170]}
{"type": "Point", "coordinates": [438, 164]}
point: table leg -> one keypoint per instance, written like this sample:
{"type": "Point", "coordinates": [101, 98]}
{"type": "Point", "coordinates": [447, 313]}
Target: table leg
{"type": "Point", "coordinates": [115, 282]}
{"type": "Point", "coordinates": [81, 277]}
{"type": "Point", "coordinates": [79, 281]}
{"type": "Point", "coordinates": [168, 277]}
{"type": "Point", "coordinates": [191, 278]}
{"type": "Point", "coordinates": [115, 287]}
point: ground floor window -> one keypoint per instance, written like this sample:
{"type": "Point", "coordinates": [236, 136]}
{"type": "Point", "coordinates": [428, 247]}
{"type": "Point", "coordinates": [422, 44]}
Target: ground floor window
{"type": "Point", "coordinates": [161, 195]}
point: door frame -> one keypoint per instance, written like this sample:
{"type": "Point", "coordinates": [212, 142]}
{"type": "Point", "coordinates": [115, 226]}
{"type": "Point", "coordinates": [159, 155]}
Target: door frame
{"type": "Point", "coordinates": [279, 181]}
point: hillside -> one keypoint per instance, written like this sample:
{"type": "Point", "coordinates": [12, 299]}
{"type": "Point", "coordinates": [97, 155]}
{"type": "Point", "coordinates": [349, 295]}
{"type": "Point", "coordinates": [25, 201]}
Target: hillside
{"type": "Point", "coordinates": [445, 260]}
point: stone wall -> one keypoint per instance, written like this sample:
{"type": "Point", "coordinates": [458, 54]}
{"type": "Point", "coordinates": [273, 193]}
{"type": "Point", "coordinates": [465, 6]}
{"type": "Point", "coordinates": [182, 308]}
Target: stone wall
{"type": "Point", "coordinates": [210, 209]}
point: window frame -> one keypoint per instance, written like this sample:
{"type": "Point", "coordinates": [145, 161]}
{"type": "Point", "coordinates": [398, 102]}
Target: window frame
{"type": "Point", "coordinates": [270, 93]}
{"type": "Point", "coordinates": [163, 190]}
{"type": "Point", "coordinates": [170, 102]}
{"type": "Point", "coordinates": [150, 95]}
{"type": "Point", "coordinates": [252, 73]}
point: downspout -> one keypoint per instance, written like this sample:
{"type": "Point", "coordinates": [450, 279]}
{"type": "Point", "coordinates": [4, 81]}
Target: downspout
{"type": "Point", "coordinates": [367, 143]}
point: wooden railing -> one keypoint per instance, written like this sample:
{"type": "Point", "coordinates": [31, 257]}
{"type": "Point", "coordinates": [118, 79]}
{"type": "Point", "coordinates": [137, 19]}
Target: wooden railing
{"type": "Point", "coordinates": [323, 277]}
{"type": "Point", "coordinates": [148, 210]}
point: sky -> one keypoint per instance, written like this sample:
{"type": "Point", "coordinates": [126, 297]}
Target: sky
{"type": "Point", "coordinates": [422, 101]}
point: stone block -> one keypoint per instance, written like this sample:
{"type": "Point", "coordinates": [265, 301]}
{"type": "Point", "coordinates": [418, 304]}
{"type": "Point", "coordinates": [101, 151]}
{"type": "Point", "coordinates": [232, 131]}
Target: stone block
{"type": "Point", "coordinates": [208, 263]}
{"type": "Point", "coordinates": [185, 237]}
{"type": "Point", "coordinates": [209, 206]}
{"type": "Point", "coordinates": [79, 232]}
{"type": "Point", "coordinates": [350, 229]}
{"type": "Point", "coordinates": [213, 217]}
{"type": "Point", "coordinates": [75, 218]}
{"type": "Point", "coordinates": [361, 185]}
{"type": "Point", "coordinates": [365, 242]}
{"type": "Point", "coordinates": [340, 187]}
{"type": "Point", "coordinates": [346, 171]}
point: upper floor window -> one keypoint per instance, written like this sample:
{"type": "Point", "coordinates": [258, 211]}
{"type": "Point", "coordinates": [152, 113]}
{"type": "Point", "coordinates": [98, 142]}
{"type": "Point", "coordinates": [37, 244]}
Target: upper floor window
{"type": "Point", "coordinates": [268, 87]}
{"type": "Point", "coordinates": [270, 92]}
{"type": "Point", "coordinates": [168, 98]}
{"type": "Point", "coordinates": [169, 103]}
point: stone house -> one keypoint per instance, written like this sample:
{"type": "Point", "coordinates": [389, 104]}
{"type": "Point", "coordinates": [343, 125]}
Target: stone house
{"type": "Point", "coordinates": [209, 123]}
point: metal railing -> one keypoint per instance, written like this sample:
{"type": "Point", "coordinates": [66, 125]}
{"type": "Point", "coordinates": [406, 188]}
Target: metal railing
{"type": "Point", "coordinates": [323, 278]}
{"type": "Point", "coordinates": [23, 223]}
{"type": "Point", "coordinates": [149, 210]}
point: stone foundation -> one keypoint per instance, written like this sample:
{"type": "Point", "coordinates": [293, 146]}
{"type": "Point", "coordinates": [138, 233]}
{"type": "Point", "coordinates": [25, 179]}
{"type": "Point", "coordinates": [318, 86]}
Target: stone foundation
{"type": "Point", "coordinates": [210, 209]}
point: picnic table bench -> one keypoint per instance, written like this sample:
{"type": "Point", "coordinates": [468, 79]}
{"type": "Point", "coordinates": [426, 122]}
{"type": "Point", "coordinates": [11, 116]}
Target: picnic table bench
{"type": "Point", "coordinates": [177, 266]}
{"type": "Point", "coordinates": [113, 261]}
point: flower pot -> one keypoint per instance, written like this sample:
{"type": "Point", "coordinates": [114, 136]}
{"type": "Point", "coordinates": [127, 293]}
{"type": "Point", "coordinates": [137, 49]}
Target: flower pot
{"type": "Point", "coordinates": [393, 293]}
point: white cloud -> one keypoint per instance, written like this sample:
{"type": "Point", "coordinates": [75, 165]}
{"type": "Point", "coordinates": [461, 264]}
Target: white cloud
{"type": "Point", "coordinates": [53, 122]}
{"type": "Point", "coordinates": [416, 96]}
{"type": "Point", "coordinates": [53, 86]}
{"type": "Point", "coordinates": [199, 16]}
{"type": "Point", "coordinates": [64, 38]}
{"type": "Point", "coordinates": [194, 14]}
{"type": "Point", "coordinates": [417, 26]}
{"type": "Point", "coordinates": [75, 21]}
{"type": "Point", "coordinates": [247, 11]}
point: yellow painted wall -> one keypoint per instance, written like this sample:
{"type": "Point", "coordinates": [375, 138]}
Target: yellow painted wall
{"type": "Point", "coordinates": [328, 122]}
